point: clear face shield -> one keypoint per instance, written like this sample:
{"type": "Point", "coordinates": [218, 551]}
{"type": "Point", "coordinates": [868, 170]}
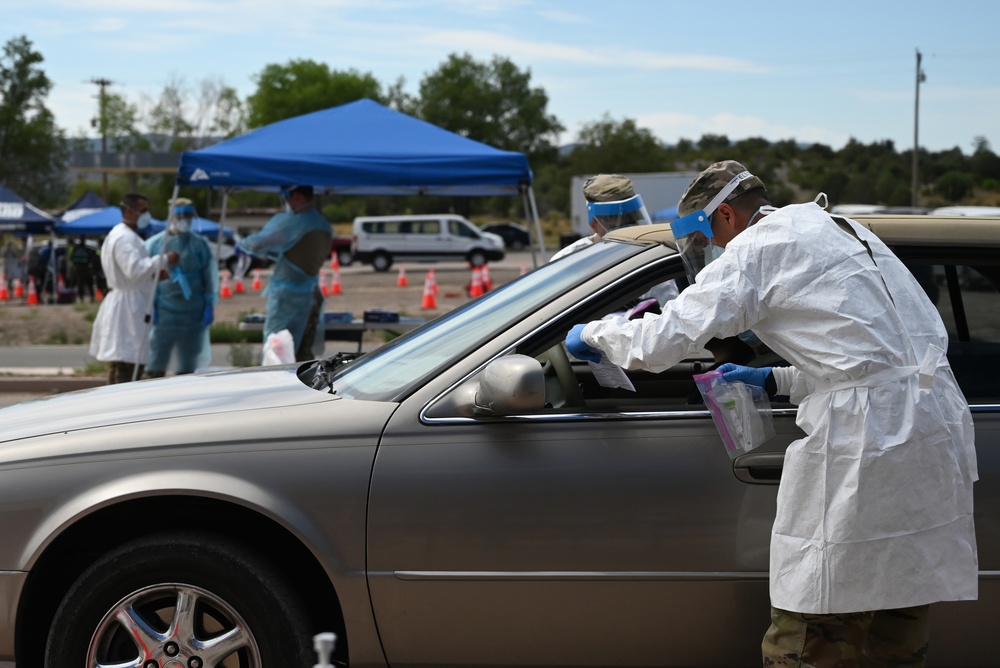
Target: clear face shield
{"type": "Point", "coordinates": [693, 233]}
{"type": "Point", "coordinates": [183, 216]}
{"type": "Point", "coordinates": [606, 217]}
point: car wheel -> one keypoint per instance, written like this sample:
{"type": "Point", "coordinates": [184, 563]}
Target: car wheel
{"type": "Point", "coordinates": [477, 258]}
{"type": "Point", "coordinates": [516, 244]}
{"type": "Point", "coordinates": [180, 599]}
{"type": "Point", "coordinates": [382, 261]}
{"type": "Point", "coordinates": [345, 258]}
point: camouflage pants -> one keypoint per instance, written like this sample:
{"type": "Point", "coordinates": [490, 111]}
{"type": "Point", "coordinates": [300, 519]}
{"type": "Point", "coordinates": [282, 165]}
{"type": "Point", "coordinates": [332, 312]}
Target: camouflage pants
{"type": "Point", "coordinates": [883, 639]}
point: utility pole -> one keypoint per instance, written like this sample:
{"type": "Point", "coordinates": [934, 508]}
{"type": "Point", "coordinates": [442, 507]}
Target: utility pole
{"type": "Point", "coordinates": [921, 77]}
{"type": "Point", "coordinates": [101, 122]}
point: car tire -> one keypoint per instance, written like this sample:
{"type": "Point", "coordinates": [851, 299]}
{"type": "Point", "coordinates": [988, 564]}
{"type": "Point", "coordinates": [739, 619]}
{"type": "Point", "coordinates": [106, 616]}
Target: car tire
{"type": "Point", "coordinates": [381, 261]}
{"type": "Point", "coordinates": [345, 257]}
{"type": "Point", "coordinates": [516, 245]}
{"type": "Point", "coordinates": [477, 258]}
{"type": "Point", "coordinates": [222, 589]}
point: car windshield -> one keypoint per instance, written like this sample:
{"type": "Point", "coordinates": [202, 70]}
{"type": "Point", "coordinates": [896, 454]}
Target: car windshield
{"type": "Point", "coordinates": [386, 373]}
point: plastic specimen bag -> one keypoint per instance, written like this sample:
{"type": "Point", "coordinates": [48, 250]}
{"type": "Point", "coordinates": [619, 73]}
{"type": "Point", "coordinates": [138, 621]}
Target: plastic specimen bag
{"type": "Point", "coordinates": [742, 413]}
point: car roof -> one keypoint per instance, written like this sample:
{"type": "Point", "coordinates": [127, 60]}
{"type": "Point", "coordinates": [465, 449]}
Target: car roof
{"type": "Point", "coordinates": [892, 229]}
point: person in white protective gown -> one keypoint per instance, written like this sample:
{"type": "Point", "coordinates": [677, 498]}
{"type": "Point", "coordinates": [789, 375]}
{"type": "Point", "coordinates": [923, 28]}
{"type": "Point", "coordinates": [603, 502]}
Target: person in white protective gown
{"type": "Point", "coordinates": [184, 306]}
{"type": "Point", "coordinates": [299, 241]}
{"type": "Point", "coordinates": [123, 319]}
{"type": "Point", "coordinates": [875, 506]}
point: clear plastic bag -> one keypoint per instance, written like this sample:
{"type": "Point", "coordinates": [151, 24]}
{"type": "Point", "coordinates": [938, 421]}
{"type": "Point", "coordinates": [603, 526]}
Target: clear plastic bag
{"type": "Point", "coordinates": [742, 413]}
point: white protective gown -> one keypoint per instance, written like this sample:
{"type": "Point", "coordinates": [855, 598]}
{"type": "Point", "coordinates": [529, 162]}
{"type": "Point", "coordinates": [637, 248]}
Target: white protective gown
{"type": "Point", "coordinates": [120, 330]}
{"type": "Point", "coordinates": [875, 503]}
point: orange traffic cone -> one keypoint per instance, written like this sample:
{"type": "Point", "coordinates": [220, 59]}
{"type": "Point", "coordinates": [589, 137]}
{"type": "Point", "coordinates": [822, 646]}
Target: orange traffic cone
{"type": "Point", "coordinates": [60, 283]}
{"type": "Point", "coordinates": [226, 291]}
{"type": "Point", "coordinates": [335, 262]}
{"type": "Point", "coordinates": [238, 286]}
{"type": "Point", "coordinates": [335, 283]}
{"type": "Point", "coordinates": [434, 280]}
{"type": "Point", "coordinates": [429, 301]}
{"type": "Point", "coordinates": [18, 288]}
{"type": "Point", "coordinates": [401, 280]}
{"type": "Point", "coordinates": [487, 281]}
{"type": "Point", "coordinates": [256, 284]}
{"type": "Point", "coordinates": [4, 289]}
{"type": "Point", "coordinates": [98, 294]}
{"type": "Point", "coordinates": [32, 292]}
{"type": "Point", "coordinates": [524, 268]}
{"type": "Point", "coordinates": [476, 287]}
{"type": "Point", "coordinates": [323, 287]}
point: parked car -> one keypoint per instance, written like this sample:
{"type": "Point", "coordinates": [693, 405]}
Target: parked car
{"type": "Point", "coordinates": [463, 495]}
{"type": "Point", "coordinates": [515, 237]}
{"type": "Point", "coordinates": [380, 240]}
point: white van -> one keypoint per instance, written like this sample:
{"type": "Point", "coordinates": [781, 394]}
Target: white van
{"type": "Point", "coordinates": [381, 240]}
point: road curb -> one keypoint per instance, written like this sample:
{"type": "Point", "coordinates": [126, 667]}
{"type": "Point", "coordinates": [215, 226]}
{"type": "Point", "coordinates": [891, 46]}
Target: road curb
{"type": "Point", "coordinates": [49, 384]}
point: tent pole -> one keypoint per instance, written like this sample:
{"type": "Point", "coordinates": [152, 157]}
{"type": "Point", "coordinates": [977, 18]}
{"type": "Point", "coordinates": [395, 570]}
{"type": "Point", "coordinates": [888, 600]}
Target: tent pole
{"type": "Point", "coordinates": [538, 224]}
{"type": "Point", "coordinates": [222, 222]}
{"type": "Point", "coordinates": [533, 235]}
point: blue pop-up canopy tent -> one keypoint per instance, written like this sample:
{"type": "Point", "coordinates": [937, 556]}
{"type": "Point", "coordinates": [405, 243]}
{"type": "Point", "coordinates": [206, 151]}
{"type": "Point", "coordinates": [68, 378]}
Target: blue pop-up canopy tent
{"type": "Point", "coordinates": [361, 148]}
{"type": "Point", "coordinates": [20, 217]}
{"type": "Point", "coordinates": [89, 202]}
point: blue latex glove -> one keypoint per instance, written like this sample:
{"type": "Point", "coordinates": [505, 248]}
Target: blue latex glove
{"type": "Point", "coordinates": [745, 374]}
{"type": "Point", "coordinates": [178, 277]}
{"type": "Point", "coordinates": [207, 315]}
{"type": "Point", "coordinates": [579, 349]}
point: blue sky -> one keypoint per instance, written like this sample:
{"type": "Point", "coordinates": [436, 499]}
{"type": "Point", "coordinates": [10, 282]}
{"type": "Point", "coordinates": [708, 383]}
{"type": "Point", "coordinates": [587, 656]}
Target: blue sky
{"type": "Point", "coordinates": [778, 69]}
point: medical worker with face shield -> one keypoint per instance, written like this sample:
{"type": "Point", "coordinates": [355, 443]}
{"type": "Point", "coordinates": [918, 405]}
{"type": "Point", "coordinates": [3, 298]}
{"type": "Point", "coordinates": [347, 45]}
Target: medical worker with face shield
{"type": "Point", "coordinates": [874, 512]}
{"type": "Point", "coordinates": [612, 203]}
{"type": "Point", "coordinates": [185, 301]}
{"type": "Point", "coordinates": [298, 239]}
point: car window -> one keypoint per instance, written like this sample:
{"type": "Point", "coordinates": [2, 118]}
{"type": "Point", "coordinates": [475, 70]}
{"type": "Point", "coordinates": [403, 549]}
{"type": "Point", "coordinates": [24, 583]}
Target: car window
{"type": "Point", "coordinates": [969, 303]}
{"type": "Point", "coordinates": [460, 229]}
{"type": "Point", "coordinates": [388, 371]}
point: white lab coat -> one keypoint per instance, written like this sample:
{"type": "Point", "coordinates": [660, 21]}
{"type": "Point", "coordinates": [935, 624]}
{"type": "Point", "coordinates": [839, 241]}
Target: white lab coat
{"type": "Point", "coordinates": [120, 329]}
{"type": "Point", "coordinates": [875, 503]}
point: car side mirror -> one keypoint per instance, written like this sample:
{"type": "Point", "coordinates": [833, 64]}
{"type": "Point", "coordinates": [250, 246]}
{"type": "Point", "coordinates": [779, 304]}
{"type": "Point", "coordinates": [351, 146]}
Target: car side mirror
{"type": "Point", "coordinates": [509, 386]}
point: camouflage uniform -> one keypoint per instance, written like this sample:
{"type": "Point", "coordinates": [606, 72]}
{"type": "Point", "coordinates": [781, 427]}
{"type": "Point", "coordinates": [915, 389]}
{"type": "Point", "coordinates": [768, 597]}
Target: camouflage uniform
{"type": "Point", "coordinates": [709, 182]}
{"type": "Point", "coordinates": [895, 638]}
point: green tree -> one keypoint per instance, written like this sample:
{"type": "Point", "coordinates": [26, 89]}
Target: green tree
{"type": "Point", "coordinates": [953, 186]}
{"type": "Point", "coordinates": [304, 86]}
{"type": "Point", "coordinates": [32, 148]}
{"type": "Point", "coordinates": [493, 103]}
{"type": "Point", "coordinates": [119, 120]}
{"type": "Point", "coordinates": [607, 145]}
{"type": "Point", "coordinates": [183, 119]}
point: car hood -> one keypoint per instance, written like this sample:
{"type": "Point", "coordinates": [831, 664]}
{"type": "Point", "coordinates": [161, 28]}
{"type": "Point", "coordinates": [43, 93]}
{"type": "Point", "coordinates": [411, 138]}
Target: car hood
{"type": "Point", "coordinates": [496, 238]}
{"type": "Point", "coordinates": [155, 399]}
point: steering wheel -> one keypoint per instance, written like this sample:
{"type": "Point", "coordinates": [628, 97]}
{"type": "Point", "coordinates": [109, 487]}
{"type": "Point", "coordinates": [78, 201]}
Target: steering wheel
{"type": "Point", "coordinates": [567, 379]}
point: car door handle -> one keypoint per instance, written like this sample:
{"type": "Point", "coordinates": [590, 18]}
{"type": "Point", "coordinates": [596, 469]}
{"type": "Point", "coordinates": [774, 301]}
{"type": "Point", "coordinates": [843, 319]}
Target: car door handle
{"type": "Point", "coordinates": [759, 468]}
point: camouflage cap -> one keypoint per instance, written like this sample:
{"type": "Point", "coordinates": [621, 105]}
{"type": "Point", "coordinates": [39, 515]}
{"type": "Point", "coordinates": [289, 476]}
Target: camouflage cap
{"type": "Point", "coordinates": [708, 184]}
{"type": "Point", "coordinates": [608, 188]}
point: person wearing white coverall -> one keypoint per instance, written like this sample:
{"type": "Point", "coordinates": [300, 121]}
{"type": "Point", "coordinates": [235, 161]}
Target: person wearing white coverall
{"type": "Point", "coordinates": [122, 323]}
{"type": "Point", "coordinates": [184, 304]}
{"type": "Point", "coordinates": [875, 506]}
{"type": "Point", "coordinates": [299, 241]}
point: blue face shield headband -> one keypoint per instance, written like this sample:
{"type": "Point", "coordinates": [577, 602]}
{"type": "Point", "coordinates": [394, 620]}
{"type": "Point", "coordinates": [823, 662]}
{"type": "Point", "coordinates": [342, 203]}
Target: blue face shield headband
{"type": "Point", "coordinates": [693, 232]}
{"type": "Point", "coordinates": [610, 216]}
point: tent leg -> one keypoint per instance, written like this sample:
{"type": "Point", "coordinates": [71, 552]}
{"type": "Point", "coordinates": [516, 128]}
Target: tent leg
{"type": "Point", "coordinates": [538, 224]}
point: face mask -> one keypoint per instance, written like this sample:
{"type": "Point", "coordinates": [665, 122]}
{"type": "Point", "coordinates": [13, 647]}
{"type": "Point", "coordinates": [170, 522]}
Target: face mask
{"type": "Point", "coordinates": [143, 221]}
{"type": "Point", "coordinates": [750, 339]}
{"type": "Point", "coordinates": [183, 226]}
{"type": "Point", "coordinates": [713, 253]}
{"type": "Point", "coordinates": [760, 213]}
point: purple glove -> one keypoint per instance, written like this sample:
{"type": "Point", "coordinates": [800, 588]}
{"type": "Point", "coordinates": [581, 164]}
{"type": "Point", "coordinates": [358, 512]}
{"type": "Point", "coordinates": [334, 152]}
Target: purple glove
{"type": "Point", "coordinates": [745, 374]}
